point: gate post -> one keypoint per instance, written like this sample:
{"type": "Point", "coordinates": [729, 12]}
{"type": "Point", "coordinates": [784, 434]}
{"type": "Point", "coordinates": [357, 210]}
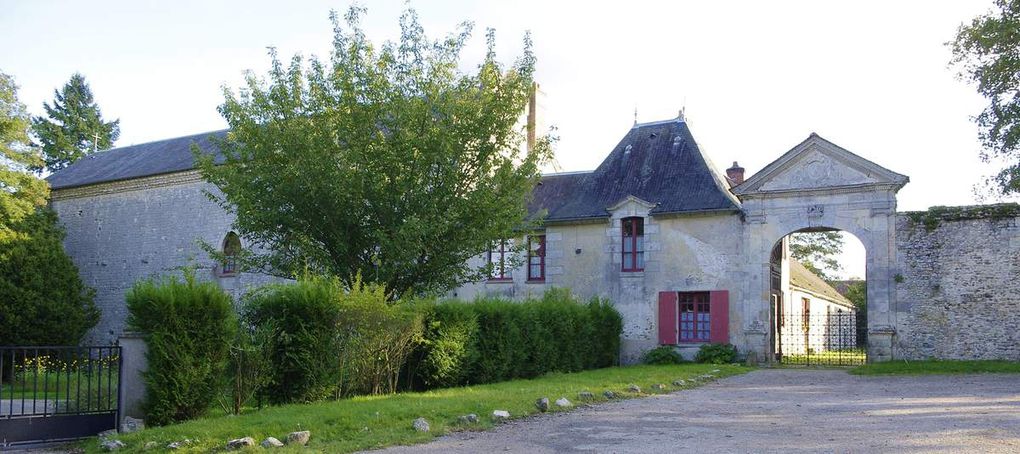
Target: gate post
{"type": "Point", "coordinates": [132, 385]}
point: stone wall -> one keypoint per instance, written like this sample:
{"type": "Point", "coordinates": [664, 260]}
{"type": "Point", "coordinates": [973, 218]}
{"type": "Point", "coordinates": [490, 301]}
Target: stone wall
{"type": "Point", "coordinates": [958, 287]}
{"type": "Point", "coordinates": [119, 235]}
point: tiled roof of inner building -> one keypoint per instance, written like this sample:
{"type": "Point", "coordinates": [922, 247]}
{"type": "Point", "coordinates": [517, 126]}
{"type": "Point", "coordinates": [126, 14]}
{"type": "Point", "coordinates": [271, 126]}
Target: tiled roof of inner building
{"type": "Point", "coordinates": [802, 277]}
{"type": "Point", "coordinates": [135, 161]}
{"type": "Point", "coordinates": [655, 162]}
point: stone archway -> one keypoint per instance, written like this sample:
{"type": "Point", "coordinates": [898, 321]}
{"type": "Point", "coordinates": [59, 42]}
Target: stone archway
{"type": "Point", "coordinates": [815, 185]}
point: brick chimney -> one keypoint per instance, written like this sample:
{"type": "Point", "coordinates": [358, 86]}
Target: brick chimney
{"type": "Point", "coordinates": [735, 174]}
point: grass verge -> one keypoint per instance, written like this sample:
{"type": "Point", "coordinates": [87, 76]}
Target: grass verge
{"type": "Point", "coordinates": [932, 367]}
{"type": "Point", "coordinates": [377, 421]}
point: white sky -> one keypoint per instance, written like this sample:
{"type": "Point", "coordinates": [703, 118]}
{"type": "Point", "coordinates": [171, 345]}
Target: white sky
{"type": "Point", "coordinates": [755, 77]}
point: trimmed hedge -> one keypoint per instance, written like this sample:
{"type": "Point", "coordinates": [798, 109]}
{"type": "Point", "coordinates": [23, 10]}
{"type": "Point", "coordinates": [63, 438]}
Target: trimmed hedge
{"type": "Point", "coordinates": [492, 339]}
{"type": "Point", "coordinates": [188, 327]}
{"type": "Point", "coordinates": [331, 341]}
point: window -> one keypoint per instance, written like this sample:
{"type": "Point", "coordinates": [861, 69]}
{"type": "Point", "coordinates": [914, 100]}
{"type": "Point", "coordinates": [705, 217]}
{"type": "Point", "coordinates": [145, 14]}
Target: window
{"type": "Point", "coordinates": [695, 317]}
{"type": "Point", "coordinates": [499, 260]}
{"type": "Point", "coordinates": [231, 249]}
{"type": "Point", "coordinates": [633, 244]}
{"type": "Point", "coordinates": [536, 258]}
{"type": "Point", "coordinates": [806, 313]}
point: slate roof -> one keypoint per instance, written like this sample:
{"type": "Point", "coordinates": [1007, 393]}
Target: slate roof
{"type": "Point", "coordinates": [135, 161]}
{"type": "Point", "coordinates": [802, 277]}
{"type": "Point", "coordinates": [656, 162]}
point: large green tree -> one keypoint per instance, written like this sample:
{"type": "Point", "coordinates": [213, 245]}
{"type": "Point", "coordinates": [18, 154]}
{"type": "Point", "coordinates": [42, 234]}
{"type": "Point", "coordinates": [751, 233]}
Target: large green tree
{"type": "Point", "coordinates": [21, 192]}
{"type": "Point", "coordinates": [818, 252]}
{"type": "Point", "coordinates": [388, 161]}
{"type": "Point", "coordinates": [73, 126]}
{"type": "Point", "coordinates": [42, 298]}
{"type": "Point", "coordinates": [987, 50]}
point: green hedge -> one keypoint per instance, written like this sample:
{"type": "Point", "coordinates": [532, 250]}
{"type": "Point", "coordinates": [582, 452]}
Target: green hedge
{"type": "Point", "coordinates": [492, 339]}
{"type": "Point", "coordinates": [188, 327]}
{"type": "Point", "coordinates": [331, 341]}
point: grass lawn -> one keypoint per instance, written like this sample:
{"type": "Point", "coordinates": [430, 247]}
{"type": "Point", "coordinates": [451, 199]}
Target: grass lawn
{"type": "Point", "coordinates": [377, 421]}
{"type": "Point", "coordinates": [929, 367]}
{"type": "Point", "coordinates": [827, 358]}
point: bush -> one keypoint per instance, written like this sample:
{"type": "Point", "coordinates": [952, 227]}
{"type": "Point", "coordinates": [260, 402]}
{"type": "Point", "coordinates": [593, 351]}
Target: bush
{"type": "Point", "coordinates": [305, 347]}
{"type": "Point", "coordinates": [188, 327]}
{"type": "Point", "coordinates": [662, 355]}
{"type": "Point", "coordinates": [716, 354]}
{"type": "Point", "coordinates": [250, 367]}
{"type": "Point", "coordinates": [330, 341]}
{"type": "Point", "coordinates": [493, 339]}
{"type": "Point", "coordinates": [42, 299]}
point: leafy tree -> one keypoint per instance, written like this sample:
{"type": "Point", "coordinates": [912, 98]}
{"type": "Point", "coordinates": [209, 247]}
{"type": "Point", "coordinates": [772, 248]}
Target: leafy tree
{"type": "Point", "coordinates": [74, 127]}
{"type": "Point", "coordinates": [988, 53]}
{"type": "Point", "coordinates": [818, 251]}
{"type": "Point", "coordinates": [857, 293]}
{"type": "Point", "coordinates": [42, 299]}
{"type": "Point", "coordinates": [385, 160]}
{"type": "Point", "coordinates": [21, 193]}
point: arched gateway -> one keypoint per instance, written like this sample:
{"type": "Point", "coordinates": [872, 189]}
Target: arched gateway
{"type": "Point", "coordinates": [820, 186]}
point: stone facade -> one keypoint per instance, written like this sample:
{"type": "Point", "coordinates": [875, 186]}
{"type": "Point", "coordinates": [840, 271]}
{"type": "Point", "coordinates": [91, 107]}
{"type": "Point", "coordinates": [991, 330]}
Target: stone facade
{"type": "Point", "coordinates": [118, 233]}
{"type": "Point", "coordinates": [682, 253]}
{"type": "Point", "coordinates": [958, 285]}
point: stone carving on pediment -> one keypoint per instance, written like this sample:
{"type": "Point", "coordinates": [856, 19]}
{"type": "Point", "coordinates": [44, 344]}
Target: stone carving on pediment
{"type": "Point", "coordinates": [816, 170]}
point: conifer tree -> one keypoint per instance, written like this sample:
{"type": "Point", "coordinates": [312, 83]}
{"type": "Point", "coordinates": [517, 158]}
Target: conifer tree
{"type": "Point", "coordinates": [73, 126]}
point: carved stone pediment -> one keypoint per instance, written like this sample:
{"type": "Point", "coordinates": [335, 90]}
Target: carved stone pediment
{"type": "Point", "coordinates": [816, 170]}
{"type": "Point", "coordinates": [817, 164]}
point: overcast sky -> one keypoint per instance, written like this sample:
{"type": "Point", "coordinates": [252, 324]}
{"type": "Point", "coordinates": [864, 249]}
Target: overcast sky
{"type": "Point", "coordinates": [756, 78]}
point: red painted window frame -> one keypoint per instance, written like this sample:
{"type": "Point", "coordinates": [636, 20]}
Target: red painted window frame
{"type": "Point", "coordinates": [500, 273]}
{"type": "Point", "coordinates": [230, 252]}
{"type": "Point", "coordinates": [538, 253]}
{"type": "Point", "coordinates": [697, 305]}
{"type": "Point", "coordinates": [636, 230]}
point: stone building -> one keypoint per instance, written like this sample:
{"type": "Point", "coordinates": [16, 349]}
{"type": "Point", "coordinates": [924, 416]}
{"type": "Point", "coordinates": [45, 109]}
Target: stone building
{"type": "Point", "coordinates": [685, 253]}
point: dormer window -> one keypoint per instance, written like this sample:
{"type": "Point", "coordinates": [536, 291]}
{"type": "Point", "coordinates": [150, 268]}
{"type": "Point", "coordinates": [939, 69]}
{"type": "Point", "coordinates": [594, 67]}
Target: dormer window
{"type": "Point", "coordinates": [633, 236]}
{"type": "Point", "coordinates": [231, 250]}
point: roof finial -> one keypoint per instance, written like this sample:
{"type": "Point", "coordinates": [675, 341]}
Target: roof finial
{"type": "Point", "coordinates": [635, 115]}
{"type": "Point", "coordinates": [680, 116]}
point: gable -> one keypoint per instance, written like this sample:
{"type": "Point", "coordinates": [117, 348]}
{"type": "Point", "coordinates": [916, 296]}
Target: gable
{"type": "Point", "coordinates": [817, 164]}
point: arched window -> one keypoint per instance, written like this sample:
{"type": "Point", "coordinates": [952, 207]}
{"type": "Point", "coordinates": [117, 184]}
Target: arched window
{"type": "Point", "coordinates": [231, 250]}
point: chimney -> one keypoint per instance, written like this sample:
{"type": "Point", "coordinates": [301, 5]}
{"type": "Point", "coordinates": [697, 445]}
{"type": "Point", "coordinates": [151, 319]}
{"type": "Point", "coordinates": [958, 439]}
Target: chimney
{"type": "Point", "coordinates": [735, 174]}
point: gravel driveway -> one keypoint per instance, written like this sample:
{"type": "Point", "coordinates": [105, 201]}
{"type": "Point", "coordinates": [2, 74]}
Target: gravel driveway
{"type": "Point", "coordinates": [778, 410]}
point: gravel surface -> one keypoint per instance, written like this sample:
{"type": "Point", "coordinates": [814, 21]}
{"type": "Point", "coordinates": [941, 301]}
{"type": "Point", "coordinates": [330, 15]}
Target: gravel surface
{"type": "Point", "coordinates": [778, 410]}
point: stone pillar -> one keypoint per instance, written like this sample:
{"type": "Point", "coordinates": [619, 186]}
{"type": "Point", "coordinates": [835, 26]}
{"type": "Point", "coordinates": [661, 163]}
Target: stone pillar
{"type": "Point", "coordinates": [880, 343]}
{"type": "Point", "coordinates": [132, 385]}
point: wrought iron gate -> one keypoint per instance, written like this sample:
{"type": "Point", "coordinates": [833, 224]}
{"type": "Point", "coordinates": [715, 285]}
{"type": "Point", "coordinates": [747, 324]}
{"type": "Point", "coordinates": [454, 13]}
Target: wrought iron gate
{"type": "Point", "coordinates": [831, 339]}
{"type": "Point", "coordinates": [57, 393]}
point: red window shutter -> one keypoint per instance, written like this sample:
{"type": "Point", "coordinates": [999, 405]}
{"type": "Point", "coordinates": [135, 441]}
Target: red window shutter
{"type": "Point", "coordinates": [667, 318]}
{"type": "Point", "coordinates": [719, 308]}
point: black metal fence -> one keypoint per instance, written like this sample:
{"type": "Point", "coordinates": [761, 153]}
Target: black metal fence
{"type": "Point", "coordinates": [830, 339]}
{"type": "Point", "coordinates": [57, 393]}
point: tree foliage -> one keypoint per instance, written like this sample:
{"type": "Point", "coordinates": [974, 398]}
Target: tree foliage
{"type": "Point", "coordinates": [818, 251]}
{"type": "Point", "coordinates": [389, 161]}
{"type": "Point", "coordinates": [21, 192]}
{"type": "Point", "coordinates": [42, 299]}
{"type": "Point", "coordinates": [73, 126]}
{"type": "Point", "coordinates": [988, 53]}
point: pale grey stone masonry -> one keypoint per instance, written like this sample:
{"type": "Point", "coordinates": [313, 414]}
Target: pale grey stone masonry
{"type": "Point", "coordinates": [146, 229]}
{"type": "Point", "coordinates": [958, 286]}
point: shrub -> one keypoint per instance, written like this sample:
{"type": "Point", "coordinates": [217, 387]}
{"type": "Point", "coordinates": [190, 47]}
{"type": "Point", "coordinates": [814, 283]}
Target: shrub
{"type": "Point", "coordinates": [376, 338]}
{"type": "Point", "coordinates": [716, 354]}
{"type": "Point", "coordinates": [305, 348]}
{"type": "Point", "coordinates": [250, 367]}
{"type": "Point", "coordinates": [188, 327]}
{"type": "Point", "coordinates": [493, 339]}
{"type": "Point", "coordinates": [331, 341]}
{"type": "Point", "coordinates": [662, 355]}
{"type": "Point", "coordinates": [42, 299]}
{"type": "Point", "coordinates": [447, 345]}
